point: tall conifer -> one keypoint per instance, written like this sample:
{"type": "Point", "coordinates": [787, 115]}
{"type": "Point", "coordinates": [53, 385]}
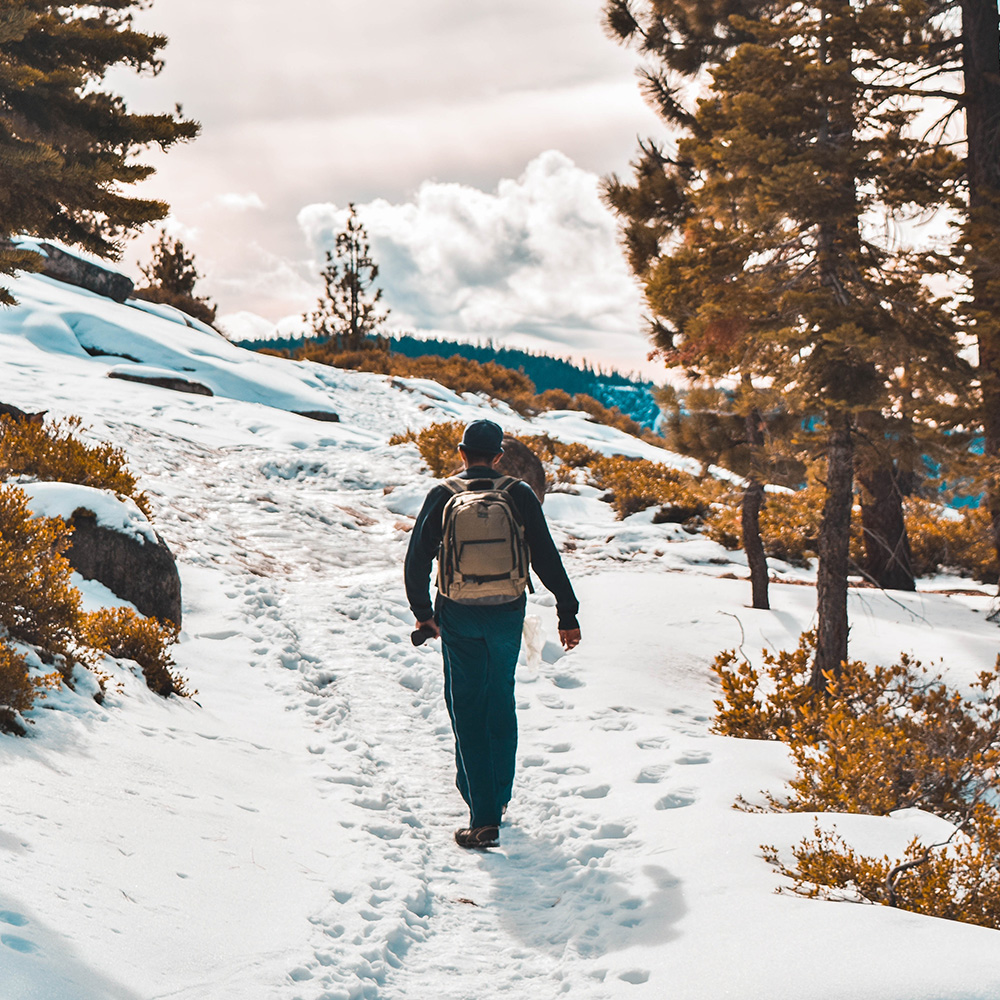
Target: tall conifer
{"type": "Point", "coordinates": [68, 144]}
{"type": "Point", "coordinates": [349, 311]}
{"type": "Point", "coordinates": [171, 277]}
{"type": "Point", "coordinates": [762, 241]}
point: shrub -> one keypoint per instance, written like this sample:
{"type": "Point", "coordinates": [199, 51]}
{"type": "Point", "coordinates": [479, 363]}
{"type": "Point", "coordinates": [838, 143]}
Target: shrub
{"type": "Point", "coordinates": [53, 451]}
{"type": "Point", "coordinates": [465, 375]}
{"type": "Point", "coordinates": [612, 417]}
{"type": "Point", "coordinates": [957, 882]}
{"type": "Point", "coordinates": [947, 540]}
{"type": "Point", "coordinates": [17, 692]}
{"type": "Point", "coordinates": [38, 604]}
{"type": "Point", "coordinates": [879, 739]}
{"type": "Point", "coordinates": [438, 446]}
{"type": "Point", "coordinates": [789, 521]}
{"type": "Point", "coordinates": [456, 373]}
{"type": "Point", "coordinates": [123, 634]}
{"type": "Point", "coordinates": [636, 484]}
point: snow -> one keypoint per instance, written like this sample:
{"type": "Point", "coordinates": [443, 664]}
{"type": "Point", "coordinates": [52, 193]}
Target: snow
{"type": "Point", "coordinates": [110, 510]}
{"type": "Point", "coordinates": [288, 834]}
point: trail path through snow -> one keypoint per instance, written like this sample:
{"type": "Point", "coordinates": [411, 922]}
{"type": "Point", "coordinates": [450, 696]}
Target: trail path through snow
{"type": "Point", "coordinates": [330, 626]}
{"type": "Point", "coordinates": [290, 836]}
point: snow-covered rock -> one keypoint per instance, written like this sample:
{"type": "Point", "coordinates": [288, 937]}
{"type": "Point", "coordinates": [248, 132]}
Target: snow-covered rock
{"type": "Point", "coordinates": [114, 544]}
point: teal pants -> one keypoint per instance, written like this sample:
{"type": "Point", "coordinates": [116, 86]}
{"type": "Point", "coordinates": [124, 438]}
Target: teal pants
{"type": "Point", "coordinates": [480, 646]}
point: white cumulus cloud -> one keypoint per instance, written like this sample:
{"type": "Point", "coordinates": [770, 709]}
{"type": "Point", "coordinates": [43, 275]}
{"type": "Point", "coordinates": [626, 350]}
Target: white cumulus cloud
{"type": "Point", "coordinates": [234, 201]}
{"type": "Point", "coordinates": [535, 262]}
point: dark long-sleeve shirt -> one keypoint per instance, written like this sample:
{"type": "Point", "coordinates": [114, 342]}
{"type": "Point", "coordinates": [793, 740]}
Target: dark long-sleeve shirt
{"type": "Point", "coordinates": [545, 561]}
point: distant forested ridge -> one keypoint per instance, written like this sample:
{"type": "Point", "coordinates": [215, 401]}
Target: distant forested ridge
{"type": "Point", "coordinates": [632, 396]}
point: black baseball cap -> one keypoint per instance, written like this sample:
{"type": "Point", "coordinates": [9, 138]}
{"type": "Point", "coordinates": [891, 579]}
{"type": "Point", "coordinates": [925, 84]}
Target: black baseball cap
{"type": "Point", "coordinates": [483, 437]}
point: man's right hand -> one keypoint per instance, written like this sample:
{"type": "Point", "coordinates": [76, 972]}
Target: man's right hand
{"type": "Point", "coordinates": [430, 626]}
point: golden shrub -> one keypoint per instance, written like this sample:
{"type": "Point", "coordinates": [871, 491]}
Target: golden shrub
{"type": "Point", "coordinates": [38, 604]}
{"type": "Point", "coordinates": [17, 693]}
{"type": "Point", "coordinates": [555, 399]}
{"type": "Point", "coordinates": [951, 540]}
{"type": "Point", "coordinates": [636, 484]}
{"type": "Point", "coordinates": [438, 445]}
{"type": "Point", "coordinates": [456, 373]}
{"type": "Point", "coordinates": [53, 451]}
{"type": "Point", "coordinates": [959, 881]}
{"type": "Point", "coordinates": [879, 739]}
{"type": "Point", "coordinates": [552, 451]}
{"type": "Point", "coordinates": [123, 634]}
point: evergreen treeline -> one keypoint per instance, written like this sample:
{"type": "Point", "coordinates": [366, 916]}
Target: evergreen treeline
{"type": "Point", "coordinates": [609, 387]}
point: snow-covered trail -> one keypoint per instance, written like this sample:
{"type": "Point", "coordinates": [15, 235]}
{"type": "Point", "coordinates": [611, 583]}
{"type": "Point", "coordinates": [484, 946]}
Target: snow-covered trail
{"type": "Point", "coordinates": [315, 562]}
{"type": "Point", "coordinates": [289, 837]}
{"type": "Point", "coordinates": [621, 827]}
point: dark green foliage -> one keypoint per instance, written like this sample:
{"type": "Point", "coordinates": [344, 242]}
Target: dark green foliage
{"type": "Point", "coordinates": [170, 279]}
{"type": "Point", "coordinates": [348, 311]}
{"type": "Point", "coordinates": [755, 243]}
{"type": "Point", "coordinates": [633, 396]}
{"type": "Point", "coordinates": [67, 144]}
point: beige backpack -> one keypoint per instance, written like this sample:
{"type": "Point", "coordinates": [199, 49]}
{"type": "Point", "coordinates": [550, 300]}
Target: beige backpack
{"type": "Point", "coordinates": [483, 557]}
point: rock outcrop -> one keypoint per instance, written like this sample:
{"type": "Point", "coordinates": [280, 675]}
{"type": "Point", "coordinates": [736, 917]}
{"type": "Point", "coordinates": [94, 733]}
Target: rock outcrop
{"type": "Point", "coordinates": [519, 460]}
{"type": "Point", "coordinates": [328, 415]}
{"type": "Point", "coordinates": [75, 270]}
{"type": "Point", "coordinates": [176, 383]}
{"type": "Point", "coordinates": [135, 570]}
{"type": "Point", "coordinates": [19, 416]}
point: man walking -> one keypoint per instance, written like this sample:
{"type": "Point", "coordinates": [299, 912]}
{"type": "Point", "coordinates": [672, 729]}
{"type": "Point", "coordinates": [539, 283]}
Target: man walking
{"type": "Point", "coordinates": [477, 524]}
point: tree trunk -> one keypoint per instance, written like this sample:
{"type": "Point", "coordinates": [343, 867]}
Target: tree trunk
{"type": "Point", "coordinates": [981, 71]}
{"type": "Point", "coordinates": [834, 553]}
{"type": "Point", "coordinates": [753, 500]}
{"type": "Point", "coordinates": [887, 546]}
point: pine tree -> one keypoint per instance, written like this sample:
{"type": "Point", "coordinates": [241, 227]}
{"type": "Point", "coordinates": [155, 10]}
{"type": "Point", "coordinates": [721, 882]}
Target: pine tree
{"type": "Point", "coordinates": [976, 51]}
{"type": "Point", "coordinates": [171, 278]}
{"type": "Point", "coordinates": [348, 311]}
{"type": "Point", "coordinates": [67, 144]}
{"type": "Point", "coordinates": [762, 241]}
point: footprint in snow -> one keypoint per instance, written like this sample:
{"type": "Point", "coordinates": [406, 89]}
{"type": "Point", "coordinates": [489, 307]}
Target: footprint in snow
{"type": "Point", "coordinates": [551, 701]}
{"type": "Point", "coordinates": [653, 774]}
{"type": "Point", "coordinates": [678, 799]}
{"type": "Point", "coordinates": [19, 944]}
{"type": "Point", "coordinates": [655, 743]}
{"type": "Point", "coordinates": [571, 769]}
{"type": "Point", "coordinates": [14, 919]}
{"type": "Point", "coordinates": [567, 682]}
{"type": "Point", "coordinates": [695, 757]}
{"type": "Point", "coordinates": [612, 831]}
{"type": "Point", "coordinates": [634, 976]}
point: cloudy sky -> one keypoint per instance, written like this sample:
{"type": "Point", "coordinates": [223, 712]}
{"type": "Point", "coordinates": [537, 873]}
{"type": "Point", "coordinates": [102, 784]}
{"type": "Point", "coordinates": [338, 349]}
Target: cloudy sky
{"type": "Point", "coordinates": [471, 137]}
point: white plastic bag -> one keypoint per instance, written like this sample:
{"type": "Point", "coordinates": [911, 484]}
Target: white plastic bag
{"type": "Point", "coordinates": [533, 636]}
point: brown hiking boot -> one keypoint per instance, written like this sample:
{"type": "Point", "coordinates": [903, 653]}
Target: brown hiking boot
{"type": "Point", "coordinates": [478, 837]}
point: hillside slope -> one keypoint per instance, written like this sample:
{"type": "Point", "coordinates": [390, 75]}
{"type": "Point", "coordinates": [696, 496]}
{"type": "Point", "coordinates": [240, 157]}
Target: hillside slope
{"type": "Point", "coordinates": [289, 835]}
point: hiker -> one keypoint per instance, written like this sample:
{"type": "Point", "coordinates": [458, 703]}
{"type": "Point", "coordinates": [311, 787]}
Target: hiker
{"type": "Point", "coordinates": [479, 613]}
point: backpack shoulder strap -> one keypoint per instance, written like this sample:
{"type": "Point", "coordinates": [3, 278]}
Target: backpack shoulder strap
{"type": "Point", "coordinates": [504, 483]}
{"type": "Point", "coordinates": [455, 484]}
